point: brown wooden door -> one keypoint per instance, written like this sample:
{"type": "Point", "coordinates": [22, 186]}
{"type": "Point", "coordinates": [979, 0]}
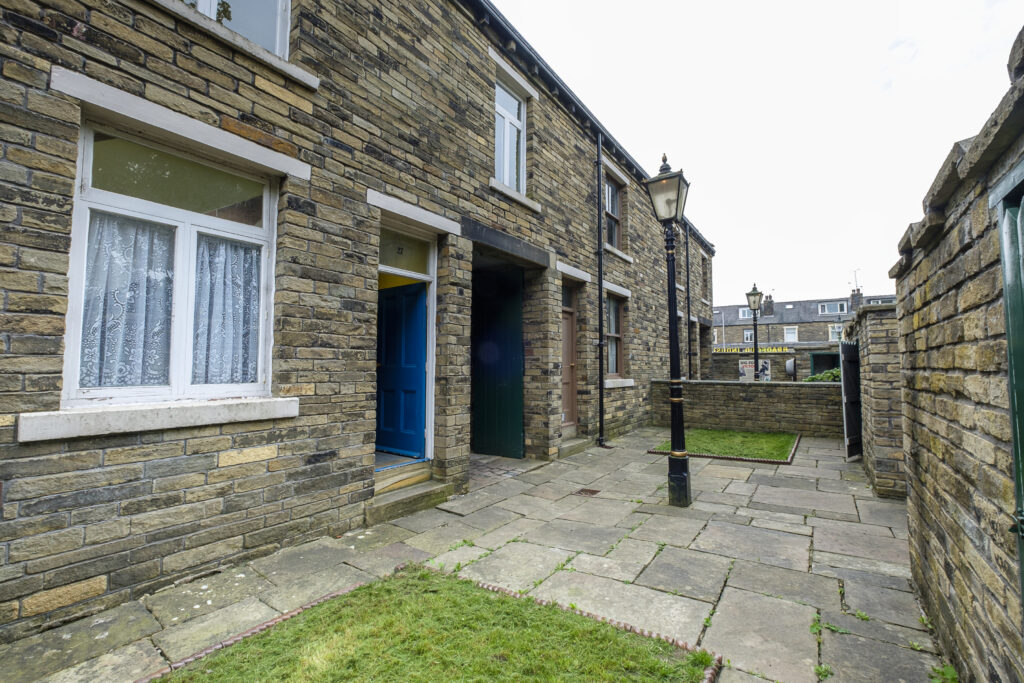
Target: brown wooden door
{"type": "Point", "coordinates": [568, 367]}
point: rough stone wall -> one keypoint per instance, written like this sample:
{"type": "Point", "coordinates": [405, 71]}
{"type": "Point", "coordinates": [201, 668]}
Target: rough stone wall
{"type": "Point", "coordinates": [957, 436]}
{"type": "Point", "coordinates": [769, 332]}
{"type": "Point", "coordinates": [876, 331]}
{"type": "Point", "coordinates": [812, 409]}
{"type": "Point", "coordinates": [725, 365]}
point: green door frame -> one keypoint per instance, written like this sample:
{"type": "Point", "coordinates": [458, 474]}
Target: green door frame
{"type": "Point", "coordinates": [1006, 198]}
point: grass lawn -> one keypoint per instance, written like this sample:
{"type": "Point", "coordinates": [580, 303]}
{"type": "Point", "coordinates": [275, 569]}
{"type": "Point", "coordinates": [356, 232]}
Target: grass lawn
{"type": "Point", "coordinates": [422, 626]}
{"type": "Point", "coordinates": [773, 446]}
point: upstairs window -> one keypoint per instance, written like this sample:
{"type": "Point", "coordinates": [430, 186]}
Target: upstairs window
{"type": "Point", "coordinates": [509, 139]}
{"type": "Point", "coordinates": [169, 277]}
{"type": "Point", "coordinates": [832, 308]}
{"type": "Point", "coordinates": [264, 22]}
{"type": "Point", "coordinates": [748, 336]}
{"type": "Point", "coordinates": [746, 313]}
{"type": "Point", "coordinates": [790, 334]}
{"type": "Point", "coordinates": [835, 332]}
{"type": "Point", "coordinates": [612, 213]}
{"type": "Point", "coordinates": [613, 337]}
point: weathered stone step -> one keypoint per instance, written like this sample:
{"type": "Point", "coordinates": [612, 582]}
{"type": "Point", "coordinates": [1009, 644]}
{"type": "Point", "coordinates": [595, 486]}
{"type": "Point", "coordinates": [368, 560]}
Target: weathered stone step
{"type": "Point", "coordinates": [405, 501]}
{"type": "Point", "coordinates": [574, 446]}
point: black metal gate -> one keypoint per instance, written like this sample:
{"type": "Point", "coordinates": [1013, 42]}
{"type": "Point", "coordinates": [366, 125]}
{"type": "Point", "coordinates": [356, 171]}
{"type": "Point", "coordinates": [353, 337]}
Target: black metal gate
{"type": "Point", "coordinates": [849, 363]}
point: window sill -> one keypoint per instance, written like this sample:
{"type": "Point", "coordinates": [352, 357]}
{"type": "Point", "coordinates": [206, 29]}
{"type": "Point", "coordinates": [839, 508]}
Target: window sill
{"type": "Point", "coordinates": [182, 11]}
{"type": "Point", "coordinates": [616, 383]}
{"type": "Point", "coordinates": [118, 419]}
{"type": "Point", "coordinates": [515, 195]}
{"type": "Point", "coordinates": [622, 255]}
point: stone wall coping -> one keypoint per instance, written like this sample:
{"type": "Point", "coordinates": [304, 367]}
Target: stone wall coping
{"type": "Point", "coordinates": [515, 195]}
{"type": "Point", "coordinates": [867, 309]}
{"type": "Point", "coordinates": [238, 42]}
{"type": "Point", "coordinates": [773, 383]}
{"type": "Point", "coordinates": [116, 419]}
{"type": "Point", "coordinates": [109, 102]}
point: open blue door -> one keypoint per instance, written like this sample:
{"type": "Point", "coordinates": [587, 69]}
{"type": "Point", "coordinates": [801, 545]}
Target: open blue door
{"type": "Point", "coordinates": [401, 369]}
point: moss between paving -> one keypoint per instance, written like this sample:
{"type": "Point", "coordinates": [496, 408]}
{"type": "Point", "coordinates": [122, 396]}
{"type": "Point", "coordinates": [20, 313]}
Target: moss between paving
{"type": "Point", "coordinates": [734, 444]}
{"type": "Point", "coordinates": [420, 625]}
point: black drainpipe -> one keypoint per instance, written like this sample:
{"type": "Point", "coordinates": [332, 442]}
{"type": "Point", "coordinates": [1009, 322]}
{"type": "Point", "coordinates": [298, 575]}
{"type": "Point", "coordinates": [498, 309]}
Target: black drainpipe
{"type": "Point", "coordinates": [689, 282]}
{"type": "Point", "coordinates": [600, 293]}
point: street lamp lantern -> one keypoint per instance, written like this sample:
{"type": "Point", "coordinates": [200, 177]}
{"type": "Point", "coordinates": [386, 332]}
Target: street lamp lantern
{"type": "Point", "coordinates": [754, 304]}
{"type": "Point", "coordinates": [667, 191]}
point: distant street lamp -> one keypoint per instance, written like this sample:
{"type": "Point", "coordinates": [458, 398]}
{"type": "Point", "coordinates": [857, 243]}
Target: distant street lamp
{"type": "Point", "coordinates": [668, 195]}
{"type": "Point", "coordinates": [754, 304]}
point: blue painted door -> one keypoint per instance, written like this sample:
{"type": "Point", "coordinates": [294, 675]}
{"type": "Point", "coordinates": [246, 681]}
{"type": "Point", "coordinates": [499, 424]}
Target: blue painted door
{"type": "Point", "coordinates": [401, 369]}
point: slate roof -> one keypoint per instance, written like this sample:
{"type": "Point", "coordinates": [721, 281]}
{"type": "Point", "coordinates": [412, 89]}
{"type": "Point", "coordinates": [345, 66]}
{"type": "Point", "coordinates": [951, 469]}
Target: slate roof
{"type": "Point", "coordinates": [791, 312]}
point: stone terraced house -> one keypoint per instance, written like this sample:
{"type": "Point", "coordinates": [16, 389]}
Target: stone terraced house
{"type": "Point", "coordinates": [261, 268]}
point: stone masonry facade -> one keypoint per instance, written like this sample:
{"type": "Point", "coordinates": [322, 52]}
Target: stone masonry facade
{"type": "Point", "coordinates": [811, 409]}
{"type": "Point", "coordinates": [957, 435]}
{"type": "Point", "coordinates": [876, 331]}
{"type": "Point", "coordinates": [382, 116]}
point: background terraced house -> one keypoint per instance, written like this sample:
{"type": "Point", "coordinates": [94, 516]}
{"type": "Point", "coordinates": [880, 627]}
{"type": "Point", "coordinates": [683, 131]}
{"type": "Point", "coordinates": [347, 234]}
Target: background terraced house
{"type": "Point", "coordinates": [260, 268]}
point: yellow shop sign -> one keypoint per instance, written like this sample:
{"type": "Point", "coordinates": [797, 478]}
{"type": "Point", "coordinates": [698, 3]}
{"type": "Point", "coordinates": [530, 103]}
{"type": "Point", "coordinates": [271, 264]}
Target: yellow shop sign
{"type": "Point", "coordinates": [761, 349]}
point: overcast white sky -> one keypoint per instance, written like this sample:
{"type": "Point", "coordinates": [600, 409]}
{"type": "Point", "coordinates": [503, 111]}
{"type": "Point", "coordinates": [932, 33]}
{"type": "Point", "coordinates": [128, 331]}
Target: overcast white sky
{"type": "Point", "coordinates": [809, 130]}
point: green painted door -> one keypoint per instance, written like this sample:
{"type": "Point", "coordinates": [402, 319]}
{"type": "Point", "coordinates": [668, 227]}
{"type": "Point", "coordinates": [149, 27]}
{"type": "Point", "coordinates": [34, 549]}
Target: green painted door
{"type": "Point", "coordinates": [497, 364]}
{"type": "Point", "coordinates": [1011, 237]}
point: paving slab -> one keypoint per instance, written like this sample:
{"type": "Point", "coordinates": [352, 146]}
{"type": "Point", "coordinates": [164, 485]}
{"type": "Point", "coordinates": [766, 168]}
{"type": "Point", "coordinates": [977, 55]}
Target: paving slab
{"type": "Point", "coordinates": [471, 502]}
{"type": "Point", "coordinates": [895, 607]}
{"type": "Point", "coordinates": [374, 537]}
{"type": "Point", "coordinates": [873, 578]}
{"type": "Point", "coordinates": [678, 531]}
{"type": "Point", "coordinates": [128, 663]}
{"type": "Point", "coordinates": [644, 608]}
{"type": "Point", "coordinates": [811, 500]}
{"type": "Point", "coordinates": [737, 676]}
{"type": "Point", "coordinates": [789, 528]}
{"type": "Point", "coordinates": [732, 499]}
{"type": "Point", "coordinates": [454, 560]}
{"type": "Point", "coordinates": [301, 592]}
{"type": "Point", "coordinates": [780, 481]}
{"type": "Point", "coordinates": [579, 536]}
{"type": "Point", "coordinates": [634, 550]}
{"type": "Point", "coordinates": [854, 488]}
{"type": "Point", "coordinates": [853, 658]}
{"type": "Point", "coordinates": [761, 545]}
{"type": "Point", "coordinates": [795, 586]}
{"type": "Point", "coordinates": [741, 488]}
{"type": "Point", "coordinates": [540, 508]}
{"type": "Point", "coordinates": [706, 483]}
{"type": "Point", "coordinates": [425, 520]}
{"type": "Point", "coordinates": [489, 518]}
{"type": "Point", "coordinates": [383, 561]}
{"type": "Point", "coordinates": [554, 490]}
{"type": "Point", "coordinates": [77, 642]}
{"type": "Point", "coordinates": [198, 634]}
{"type": "Point", "coordinates": [727, 472]}
{"type": "Point", "coordinates": [516, 566]}
{"type": "Point", "coordinates": [868, 546]}
{"type": "Point", "coordinates": [686, 572]}
{"type": "Point", "coordinates": [290, 564]}
{"type": "Point", "coordinates": [618, 569]}
{"type": "Point", "coordinates": [765, 636]}
{"type": "Point", "coordinates": [666, 510]}
{"type": "Point", "coordinates": [442, 538]}
{"type": "Point", "coordinates": [819, 557]}
{"type": "Point", "coordinates": [506, 488]}
{"type": "Point", "coordinates": [601, 511]}
{"type": "Point", "coordinates": [633, 520]}
{"type": "Point", "coordinates": [881, 630]}
{"type": "Point", "coordinates": [506, 533]}
{"type": "Point", "coordinates": [883, 513]}
{"type": "Point", "coordinates": [810, 472]}
{"type": "Point", "coordinates": [850, 527]}
{"type": "Point", "coordinates": [188, 601]}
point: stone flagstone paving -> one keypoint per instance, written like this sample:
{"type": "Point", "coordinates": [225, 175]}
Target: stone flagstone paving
{"type": "Point", "coordinates": [764, 552]}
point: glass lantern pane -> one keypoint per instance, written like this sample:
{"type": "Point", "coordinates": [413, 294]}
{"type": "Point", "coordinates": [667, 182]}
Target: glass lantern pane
{"type": "Point", "coordinates": [135, 170]}
{"type": "Point", "coordinates": [407, 253]}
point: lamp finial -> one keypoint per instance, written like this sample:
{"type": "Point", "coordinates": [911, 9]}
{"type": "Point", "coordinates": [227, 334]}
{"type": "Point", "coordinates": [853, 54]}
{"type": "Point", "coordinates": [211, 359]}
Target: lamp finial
{"type": "Point", "coordinates": [665, 168]}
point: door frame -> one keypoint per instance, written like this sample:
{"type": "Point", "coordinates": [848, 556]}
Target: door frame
{"type": "Point", "coordinates": [430, 278]}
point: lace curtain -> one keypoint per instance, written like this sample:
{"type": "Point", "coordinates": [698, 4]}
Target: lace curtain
{"type": "Point", "coordinates": [126, 323]}
{"type": "Point", "coordinates": [226, 334]}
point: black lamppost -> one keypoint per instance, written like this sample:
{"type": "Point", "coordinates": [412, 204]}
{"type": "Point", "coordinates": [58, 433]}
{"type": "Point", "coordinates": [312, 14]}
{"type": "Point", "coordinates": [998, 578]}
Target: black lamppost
{"type": "Point", "coordinates": [754, 304]}
{"type": "Point", "coordinates": [668, 195]}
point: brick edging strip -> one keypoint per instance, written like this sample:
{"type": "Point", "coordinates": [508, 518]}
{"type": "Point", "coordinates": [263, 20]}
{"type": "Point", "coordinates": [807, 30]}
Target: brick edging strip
{"type": "Point", "coordinates": [710, 673]}
{"type": "Point", "coordinates": [736, 458]}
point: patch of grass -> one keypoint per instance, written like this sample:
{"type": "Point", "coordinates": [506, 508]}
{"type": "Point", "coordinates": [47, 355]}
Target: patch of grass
{"type": "Point", "coordinates": [767, 446]}
{"type": "Point", "coordinates": [862, 616]}
{"type": "Point", "coordinates": [944, 674]}
{"type": "Point", "coordinates": [421, 625]}
{"type": "Point", "coordinates": [823, 671]}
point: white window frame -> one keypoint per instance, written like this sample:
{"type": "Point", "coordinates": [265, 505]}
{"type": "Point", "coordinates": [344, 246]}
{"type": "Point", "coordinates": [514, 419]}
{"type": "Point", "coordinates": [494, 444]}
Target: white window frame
{"type": "Point", "coordinates": [840, 306]}
{"type": "Point", "coordinates": [512, 123]}
{"type": "Point", "coordinates": [835, 332]}
{"type": "Point", "coordinates": [793, 330]}
{"type": "Point", "coordinates": [745, 313]}
{"type": "Point", "coordinates": [188, 225]}
{"type": "Point", "coordinates": [282, 16]}
{"type": "Point", "coordinates": [748, 336]}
